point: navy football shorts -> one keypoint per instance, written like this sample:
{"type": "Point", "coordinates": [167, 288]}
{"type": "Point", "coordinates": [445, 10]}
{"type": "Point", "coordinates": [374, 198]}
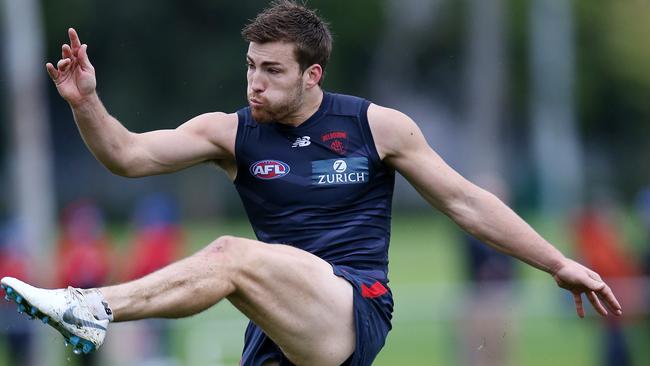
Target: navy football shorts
{"type": "Point", "coordinates": [373, 307]}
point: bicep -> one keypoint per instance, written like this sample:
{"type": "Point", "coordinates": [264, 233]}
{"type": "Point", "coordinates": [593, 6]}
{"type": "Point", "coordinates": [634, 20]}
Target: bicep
{"type": "Point", "coordinates": [402, 145]}
{"type": "Point", "coordinates": [206, 137]}
{"type": "Point", "coordinates": [431, 176]}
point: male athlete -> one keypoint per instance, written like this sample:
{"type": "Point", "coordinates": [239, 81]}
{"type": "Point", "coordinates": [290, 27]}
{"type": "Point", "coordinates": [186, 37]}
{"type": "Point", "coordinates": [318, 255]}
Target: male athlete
{"type": "Point", "coordinates": [315, 172]}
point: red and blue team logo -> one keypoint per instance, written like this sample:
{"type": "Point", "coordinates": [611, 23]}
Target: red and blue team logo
{"type": "Point", "coordinates": [269, 169]}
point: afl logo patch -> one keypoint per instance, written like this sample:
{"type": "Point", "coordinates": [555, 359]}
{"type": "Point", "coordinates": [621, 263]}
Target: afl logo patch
{"type": "Point", "coordinates": [269, 169]}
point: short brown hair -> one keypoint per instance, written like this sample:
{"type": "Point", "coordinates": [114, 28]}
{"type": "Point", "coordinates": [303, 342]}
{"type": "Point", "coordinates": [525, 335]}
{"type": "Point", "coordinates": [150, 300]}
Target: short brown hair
{"type": "Point", "coordinates": [288, 21]}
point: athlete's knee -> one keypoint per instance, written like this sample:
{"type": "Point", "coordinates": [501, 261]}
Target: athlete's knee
{"type": "Point", "coordinates": [242, 256]}
{"type": "Point", "coordinates": [230, 251]}
{"type": "Point", "coordinates": [223, 248]}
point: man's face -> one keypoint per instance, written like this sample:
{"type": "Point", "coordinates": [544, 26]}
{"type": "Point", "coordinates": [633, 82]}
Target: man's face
{"type": "Point", "coordinates": [275, 83]}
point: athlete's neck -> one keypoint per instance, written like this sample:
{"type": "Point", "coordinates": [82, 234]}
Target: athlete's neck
{"type": "Point", "coordinates": [313, 100]}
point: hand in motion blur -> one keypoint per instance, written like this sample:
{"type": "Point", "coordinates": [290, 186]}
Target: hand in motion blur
{"type": "Point", "coordinates": [73, 75]}
{"type": "Point", "coordinates": [579, 279]}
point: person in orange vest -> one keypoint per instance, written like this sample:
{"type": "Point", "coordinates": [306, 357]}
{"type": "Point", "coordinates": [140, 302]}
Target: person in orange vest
{"type": "Point", "coordinates": [601, 246]}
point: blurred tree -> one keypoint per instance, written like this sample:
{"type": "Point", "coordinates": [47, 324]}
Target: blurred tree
{"type": "Point", "coordinates": [614, 86]}
{"type": "Point", "coordinates": [556, 145]}
{"type": "Point", "coordinates": [160, 63]}
{"type": "Point", "coordinates": [485, 95]}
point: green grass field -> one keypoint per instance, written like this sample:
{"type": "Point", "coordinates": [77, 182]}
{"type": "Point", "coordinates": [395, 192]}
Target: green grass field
{"type": "Point", "coordinates": [535, 322]}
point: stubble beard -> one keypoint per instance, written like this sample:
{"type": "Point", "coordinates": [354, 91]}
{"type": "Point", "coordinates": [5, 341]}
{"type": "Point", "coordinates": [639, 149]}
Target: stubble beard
{"type": "Point", "coordinates": [281, 110]}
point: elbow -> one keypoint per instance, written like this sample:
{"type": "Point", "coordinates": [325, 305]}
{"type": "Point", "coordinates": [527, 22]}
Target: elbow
{"type": "Point", "coordinates": [477, 212]}
{"type": "Point", "coordinates": [463, 210]}
{"type": "Point", "coordinates": [123, 161]}
{"type": "Point", "coordinates": [123, 167]}
{"type": "Point", "coordinates": [122, 170]}
{"type": "Point", "coordinates": [464, 217]}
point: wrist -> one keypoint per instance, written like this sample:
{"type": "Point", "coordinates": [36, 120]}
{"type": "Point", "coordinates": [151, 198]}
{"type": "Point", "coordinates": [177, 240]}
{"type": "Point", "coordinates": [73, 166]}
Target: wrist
{"type": "Point", "coordinates": [84, 102]}
{"type": "Point", "coordinates": [557, 264]}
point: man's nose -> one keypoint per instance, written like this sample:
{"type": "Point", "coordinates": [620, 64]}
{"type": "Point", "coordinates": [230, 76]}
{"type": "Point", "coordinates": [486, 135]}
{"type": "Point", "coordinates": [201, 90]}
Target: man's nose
{"type": "Point", "coordinates": [256, 82]}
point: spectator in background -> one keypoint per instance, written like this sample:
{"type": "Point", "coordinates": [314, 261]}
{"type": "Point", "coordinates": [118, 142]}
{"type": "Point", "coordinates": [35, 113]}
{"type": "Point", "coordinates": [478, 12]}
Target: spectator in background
{"type": "Point", "coordinates": [158, 241]}
{"type": "Point", "coordinates": [599, 244]}
{"type": "Point", "coordinates": [14, 262]}
{"type": "Point", "coordinates": [489, 272]}
{"type": "Point", "coordinates": [84, 251]}
{"type": "Point", "coordinates": [158, 237]}
{"type": "Point", "coordinates": [643, 207]}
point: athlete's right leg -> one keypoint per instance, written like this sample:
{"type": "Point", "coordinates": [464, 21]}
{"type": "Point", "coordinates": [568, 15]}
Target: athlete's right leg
{"type": "Point", "coordinates": [292, 295]}
{"type": "Point", "coordinates": [184, 288]}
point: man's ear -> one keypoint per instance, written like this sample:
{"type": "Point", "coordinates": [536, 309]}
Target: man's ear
{"type": "Point", "coordinates": [313, 75]}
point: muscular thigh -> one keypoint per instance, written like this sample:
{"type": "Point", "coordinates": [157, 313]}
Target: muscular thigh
{"type": "Point", "coordinates": [297, 300]}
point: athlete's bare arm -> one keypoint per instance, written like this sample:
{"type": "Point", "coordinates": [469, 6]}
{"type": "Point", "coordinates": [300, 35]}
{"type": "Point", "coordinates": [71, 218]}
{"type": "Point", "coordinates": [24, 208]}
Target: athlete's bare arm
{"type": "Point", "coordinates": [210, 136]}
{"type": "Point", "coordinates": [401, 144]}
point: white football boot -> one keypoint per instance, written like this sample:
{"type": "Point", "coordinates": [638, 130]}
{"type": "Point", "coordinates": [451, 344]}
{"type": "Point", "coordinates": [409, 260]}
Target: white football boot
{"type": "Point", "coordinates": [66, 310]}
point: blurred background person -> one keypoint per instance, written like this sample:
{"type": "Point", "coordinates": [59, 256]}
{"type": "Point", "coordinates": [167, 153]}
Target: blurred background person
{"type": "Point", "coordinates": [16, 336]}
{"type": "Point", "coordinates": [157, 241]}
{"type": "Point", "coordinates": [84, 252]}
{"type": "Point", "coordinates": [643, 209]}
{"type": "Point", "coordinates": [600, 245]}
{"type": "Point", "coordinates": [486, 319]}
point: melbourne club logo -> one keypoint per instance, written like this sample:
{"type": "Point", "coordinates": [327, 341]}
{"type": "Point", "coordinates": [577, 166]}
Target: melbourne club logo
{"type": "Point", "coordinates": [336, 140]}
{"type": "Point", "coordinates": [269, 169]}
{"type": "Point", "coordinates": [302, 142]}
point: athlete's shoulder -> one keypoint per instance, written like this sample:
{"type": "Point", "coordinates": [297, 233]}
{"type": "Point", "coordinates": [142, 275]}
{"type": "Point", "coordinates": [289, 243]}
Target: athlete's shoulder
{"type": "Point", "coordinates": [391, 129]}
{"type": "Point", "coordinates": [211, 120]}
{"type": "Point", "coordinates": [389, 119]}
{"type": "Point", "coordinates": [218, 127]}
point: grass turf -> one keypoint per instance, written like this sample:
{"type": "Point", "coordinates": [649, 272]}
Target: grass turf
{"type": "Point", "coordinates": [428, 281]}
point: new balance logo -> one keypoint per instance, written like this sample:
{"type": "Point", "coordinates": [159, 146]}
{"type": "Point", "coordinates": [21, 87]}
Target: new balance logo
{"type": "Point", "coordinates": [302, 142]}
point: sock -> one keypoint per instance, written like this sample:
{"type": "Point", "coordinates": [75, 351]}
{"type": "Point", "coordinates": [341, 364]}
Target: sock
{"type": "Point", "coordinates": [98, 304]}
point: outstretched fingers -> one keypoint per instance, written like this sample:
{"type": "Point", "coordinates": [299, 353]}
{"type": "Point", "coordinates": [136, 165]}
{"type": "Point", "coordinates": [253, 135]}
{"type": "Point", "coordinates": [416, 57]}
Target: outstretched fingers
{"type": "Point", "coordinates": [579, 279]}
{"type": "Point", "coordinates": [597, 293]}
{"type": "Point", "coordinates": [577, 297]}
{"type": "Point", "coordinates": [62, 65]}
{"type": "Point", "coordinates": [76, 51]}
{"type": "Point", "coordinates": [83, 57]}
{"type": "Point", "coordinates": [66, 51]}
{"type": "Point", "coordinates": [52, 71]}
{"type": "Point", "coordinates": [595, 302]}
{"type": "Point", "coordinates": [75, 43]}
{"type": "Point", "coordinates": [606, 294]}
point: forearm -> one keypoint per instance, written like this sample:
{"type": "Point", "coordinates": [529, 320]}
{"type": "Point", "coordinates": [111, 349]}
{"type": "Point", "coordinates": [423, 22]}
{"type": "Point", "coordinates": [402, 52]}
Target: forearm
{"type": "Point", "coordinates": [105, 136]}
{"type": "Point", "coordinates": [490, 220]}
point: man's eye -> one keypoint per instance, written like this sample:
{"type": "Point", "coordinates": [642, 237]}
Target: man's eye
{"type": "Point", "coordinates": [274, 71]}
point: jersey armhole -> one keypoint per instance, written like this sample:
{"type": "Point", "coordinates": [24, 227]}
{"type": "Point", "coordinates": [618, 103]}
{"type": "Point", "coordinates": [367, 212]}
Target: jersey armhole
{"type": "Point", "coordinates": [241, 126]}
{"type": "Point", "coordinates": [367, 133]}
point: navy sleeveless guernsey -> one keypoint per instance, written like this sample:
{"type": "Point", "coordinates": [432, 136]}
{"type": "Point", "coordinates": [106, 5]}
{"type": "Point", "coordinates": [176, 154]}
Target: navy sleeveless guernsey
{"type": "Point", "coordinates": [320, 187]}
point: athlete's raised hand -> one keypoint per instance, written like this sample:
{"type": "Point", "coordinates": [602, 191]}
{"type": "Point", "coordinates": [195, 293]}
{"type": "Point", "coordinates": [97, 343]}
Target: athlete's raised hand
{"type": "Point", "coordinates": [579, 279]}
{"type": "Point", "coordinates": [73, 75]}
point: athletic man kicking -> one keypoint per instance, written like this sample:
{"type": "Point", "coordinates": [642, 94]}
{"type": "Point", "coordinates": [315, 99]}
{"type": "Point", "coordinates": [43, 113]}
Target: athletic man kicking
{"type": "Point", "coordinates": [315, 172]}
